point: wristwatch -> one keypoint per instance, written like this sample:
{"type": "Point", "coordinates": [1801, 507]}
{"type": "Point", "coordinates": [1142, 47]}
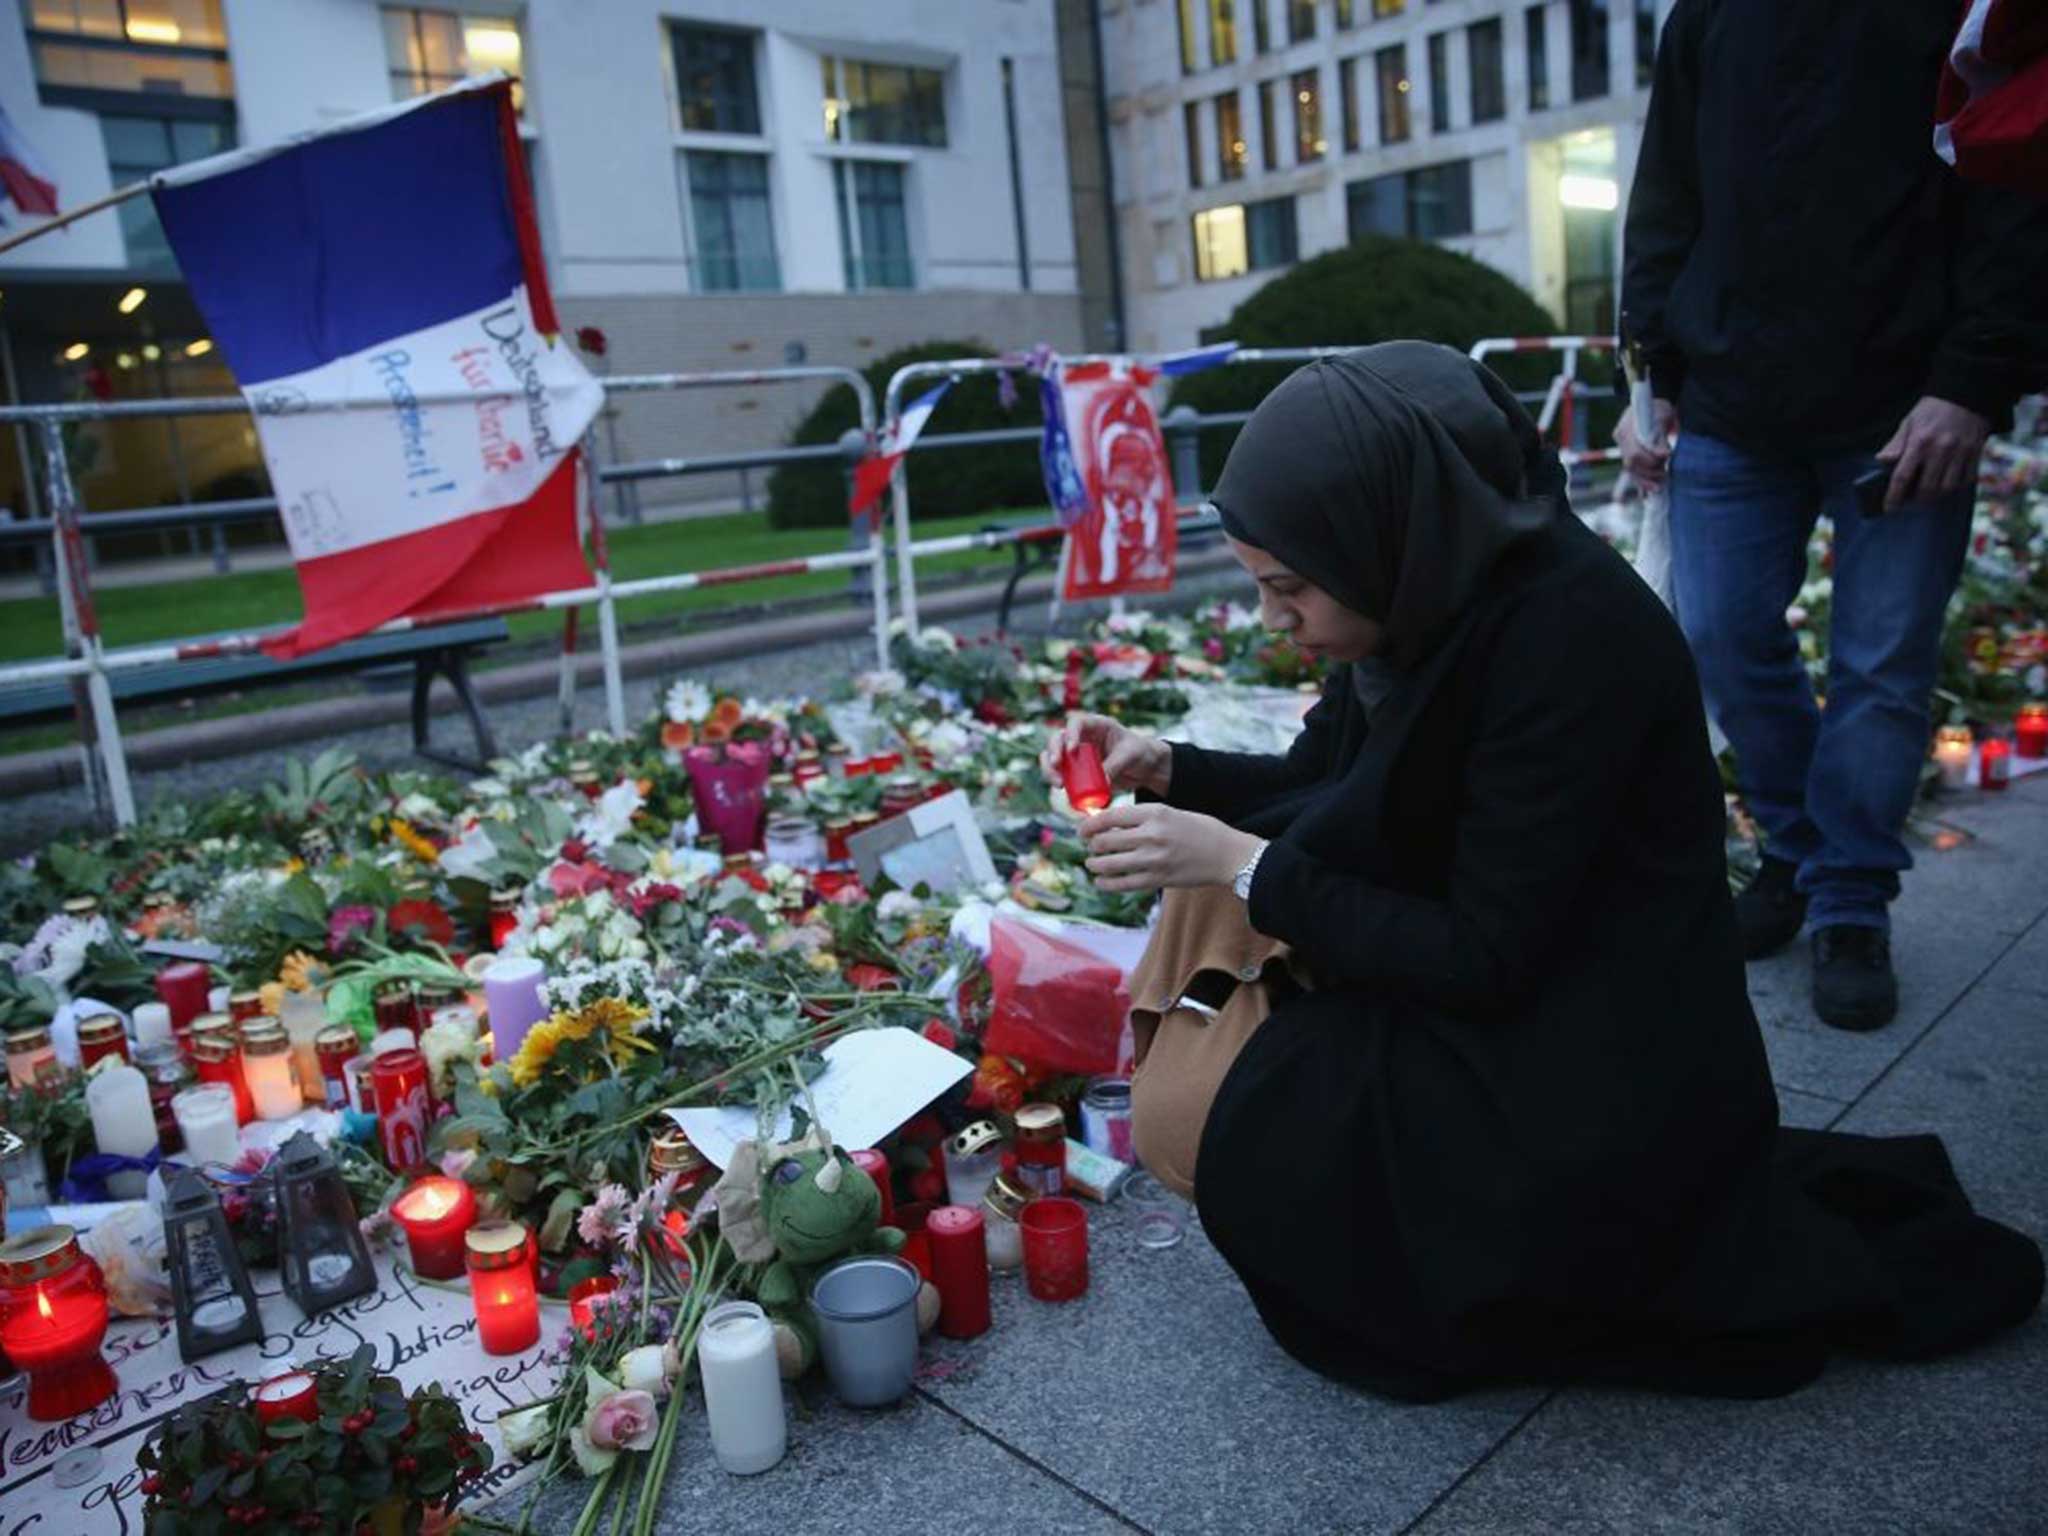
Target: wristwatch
{"type": "Point", "coordinates": [1241, 883]}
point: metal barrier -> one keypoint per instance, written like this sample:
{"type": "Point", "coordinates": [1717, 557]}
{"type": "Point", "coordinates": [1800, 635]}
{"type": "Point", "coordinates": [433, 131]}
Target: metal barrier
{"type": "Point", "coordinates": [1557, 401]}
{"type": "Point", "coordinates": [88, 661]}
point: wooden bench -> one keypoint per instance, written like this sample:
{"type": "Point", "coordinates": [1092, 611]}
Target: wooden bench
{"type": "Point", "coordinates": [442, 650]}
{"type": "Point", "coordinates": [1196, 532]}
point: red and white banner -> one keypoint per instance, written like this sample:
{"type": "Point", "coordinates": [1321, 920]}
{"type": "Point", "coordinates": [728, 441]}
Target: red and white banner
{"type": "Point", "coordinates": [1991, 112]}
{"type": "Point", "coordinates": [1124, 539]}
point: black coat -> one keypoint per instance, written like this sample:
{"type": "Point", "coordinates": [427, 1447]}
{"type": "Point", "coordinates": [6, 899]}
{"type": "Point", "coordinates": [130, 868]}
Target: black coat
{"type": "Point", "coordinates": [1798, 264]}
{"type": "Point", "coordinates": [1523, 1123]}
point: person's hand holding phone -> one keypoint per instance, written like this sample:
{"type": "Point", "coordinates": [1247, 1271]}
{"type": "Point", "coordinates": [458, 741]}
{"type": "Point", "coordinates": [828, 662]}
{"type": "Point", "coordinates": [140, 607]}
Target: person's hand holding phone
{"type": "Point", "coordinates": [1934, 452]}
{"type": "Point", "coordinates": [1132, 759]}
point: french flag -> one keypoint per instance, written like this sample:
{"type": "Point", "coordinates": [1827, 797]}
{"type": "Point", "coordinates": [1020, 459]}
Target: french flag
{"type": "Point", "coordinates": [22, 182]}
{"type": "Point", "coordinates": [871, 475]}
{"type": "Point", "coordinates": [391, 266]}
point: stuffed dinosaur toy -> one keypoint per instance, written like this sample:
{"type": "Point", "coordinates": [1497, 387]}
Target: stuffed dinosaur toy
{"type": "Point", "coordinates": [799, 1207]}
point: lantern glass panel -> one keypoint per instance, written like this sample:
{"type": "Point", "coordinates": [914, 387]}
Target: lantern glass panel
{"type": "Point", "coordinates": [322, 1260]}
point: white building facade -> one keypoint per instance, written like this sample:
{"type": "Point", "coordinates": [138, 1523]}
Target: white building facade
{"type": "Point", "coordinates": [1249, 134]}
{"type": "Point", "coordinates": [722, 184]}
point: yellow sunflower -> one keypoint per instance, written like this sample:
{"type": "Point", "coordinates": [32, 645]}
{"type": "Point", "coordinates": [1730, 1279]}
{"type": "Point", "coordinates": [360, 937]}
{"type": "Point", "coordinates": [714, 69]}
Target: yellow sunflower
{"type": "Point", "coordinates": [403, 834]}
{"type": "Point", "coordinates": [608, 1016]}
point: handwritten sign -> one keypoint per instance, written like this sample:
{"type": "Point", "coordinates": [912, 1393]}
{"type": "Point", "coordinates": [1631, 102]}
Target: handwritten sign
{"type": "Point", "coordinates": [422, 1334]}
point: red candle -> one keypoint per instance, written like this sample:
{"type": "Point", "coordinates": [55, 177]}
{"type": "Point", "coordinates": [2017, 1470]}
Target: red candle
{"type": "Point", "coordinates": [182, 988]}
{"type": "Point", "coordinates": [502, 1285]}
{"type": "Point", "coordinates": [2030, 730]}
{"type": "Point", "coordinates": [876, 1167]}
{"type": "Point", "coordinates": [959, 1270]}
{"type": "Point", "coordinates": [583, 1296]}
{"type": "Point", "coordinates": [401, 1079]}
{"type": "Point", "coordinates": [1087, 784]}
{"type": "Point", "coordinates": [1055, 1248]}
{"type": "Point", "coordinates": [218, 1059]}
{"type": "Point", "coordinates": [243, 1006]}
{"type": "Point", "coordinates": [1994, 763]}
{"type": "Point", "coordinates": [101, 1036]}
{"type": "Point", "coordinates": [294, 1395]}
{"type": "Point", "coordinates": [53, 1314]}
{"type": "Point", "coordinates": [885, 762]}
{"type": "Point", "coordinates": [859, 767]}
{"type": "Point", "coordinates": [436, 1214]}
{"type": "Point", "coordinates": [917, 1251]}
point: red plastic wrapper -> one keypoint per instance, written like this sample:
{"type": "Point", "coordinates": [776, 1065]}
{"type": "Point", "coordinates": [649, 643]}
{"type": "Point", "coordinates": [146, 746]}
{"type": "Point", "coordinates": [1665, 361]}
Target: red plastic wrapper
{"type": "Point", "coordinates": [1054, 1003]}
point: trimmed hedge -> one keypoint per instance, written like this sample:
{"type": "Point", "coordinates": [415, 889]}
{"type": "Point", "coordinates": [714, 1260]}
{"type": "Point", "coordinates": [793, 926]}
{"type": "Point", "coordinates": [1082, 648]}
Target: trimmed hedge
{"type": "Point", "coordinates": [947, 483]}
{"type": "Point", "coordinates": [1375, 289]}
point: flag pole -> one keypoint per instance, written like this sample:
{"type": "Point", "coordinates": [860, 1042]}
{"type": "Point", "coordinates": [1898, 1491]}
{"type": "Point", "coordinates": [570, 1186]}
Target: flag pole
{"type": "Point", "coordinates": [59, 220]}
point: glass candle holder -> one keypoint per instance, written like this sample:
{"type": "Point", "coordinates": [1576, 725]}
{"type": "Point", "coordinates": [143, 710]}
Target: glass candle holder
{"type": "Point", "coordinates": [1055, 1248]}
{"type": "Point", "coordinates": [392, 1003]}
{"type": "Point", "coordinates": [401, 1079]}
{"type": "Point", "coordinates": [53, 1314]}
{"type": "Point", "coordinates": [184, 988]}
{"type": "Point", "coordinates": [436, 1214]}
{"type": "Point", "coordinates": [217, 1058]}
{"type": "Point", "coordinates": [31, 1058]}
{"type": "Point", "coordinates": [501, 1284]}
{"type": "Point", "coordinates": [206, 1122]}
{"type": "Point", "coordinates": [1086, 782]}
{"type": "Point", "coordinates": [304, 1016]}
{"type": "Point", "coordinates": [164, 1067]}
{"type": "Point", "coordinates": [585, 1297]}
{"type": "Point", "coordinates": [1994, 764]}
{"type": "Point", "coordinates": [245, 1005]}
{"type": "Point", "coordinates": [1000, 1209]}
{"type": "Point", "coordinates": [294, 1395]}
{"type": "Point", "coordinates": [99, 1037]}
{"type": "Point", "coordinates": [504, 915]}
{"type": "Point", "coordinates": [1954, 747]}
{"type": "Point", "coordinates": [742, 1388]}
{"type": "Point", "coordinates": [152, 1027]}
{"type": "Point", "coordinates": [973, 1159]}
{"type": "Point", "coordinates": [333, 1049]}
{"type": "Point", "coordinates": [2030, 731]}
{"type": "Point", "coordinates": [268, 1070]}
{"type": "Point", "coordinates": [1042, 1149]}
{"type": "Point", "coordinates": [1106, 1118]}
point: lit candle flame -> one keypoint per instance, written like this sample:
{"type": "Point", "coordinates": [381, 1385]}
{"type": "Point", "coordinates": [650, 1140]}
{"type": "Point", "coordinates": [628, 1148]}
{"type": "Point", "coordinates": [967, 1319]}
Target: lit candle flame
{"type": "Point", "coordinates": [43, 1306]}
{"type": "Point", "coordinates": [429, 1202]}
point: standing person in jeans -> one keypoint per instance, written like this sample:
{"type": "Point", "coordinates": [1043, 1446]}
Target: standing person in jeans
{"type": "Point", "coordinates": [1817, 295]}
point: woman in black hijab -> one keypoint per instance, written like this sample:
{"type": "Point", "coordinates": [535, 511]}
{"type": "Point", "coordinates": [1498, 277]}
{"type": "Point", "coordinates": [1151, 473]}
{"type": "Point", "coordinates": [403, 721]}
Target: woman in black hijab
{"type": "Point", "coordinates": [1510, 1114]}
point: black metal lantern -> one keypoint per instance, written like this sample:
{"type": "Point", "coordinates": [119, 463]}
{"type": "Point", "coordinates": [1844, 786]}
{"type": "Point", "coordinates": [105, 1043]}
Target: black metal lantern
{"type": "Point", "coordinates": [215, 1302]}
{"type": "Point", "coordinates": [321, 1257]}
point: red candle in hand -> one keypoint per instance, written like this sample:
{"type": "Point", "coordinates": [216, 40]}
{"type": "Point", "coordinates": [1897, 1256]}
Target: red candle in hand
{"type": "Point", "coordinates": [183, 989]}
{"type": "Point", "coordinates": [959, 1270]}
{"type": "Point", "coordinates": [294, 1395]}
{"type": "Point", "coordinates": [1055, 1248]}
{"type": "Point", "coordinates": [1087, 784]}
{"type": "Point", "coordinates": [436, 1214]}
{"type": "Point", "coordinates": [876, 1167]}
{"type": "Point", "coordinates": [53, 1314]}
{"type": "Point", "coordinates": [583, 1298]}
{"type": "Point", "coordinates": [501, 1283]}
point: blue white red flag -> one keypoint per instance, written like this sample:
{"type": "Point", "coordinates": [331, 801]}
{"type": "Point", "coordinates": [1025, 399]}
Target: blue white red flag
{"type": "Point", "coordinates": [1063, 486]}
{"type": "Point", "coordinates": [392, 262]}
{"type": "Point", "coordinates": [25, 187]}
{"type": "Point", "coordinates": [1195, 359]}
{"type": "Point", "coordinates": [871, 475]}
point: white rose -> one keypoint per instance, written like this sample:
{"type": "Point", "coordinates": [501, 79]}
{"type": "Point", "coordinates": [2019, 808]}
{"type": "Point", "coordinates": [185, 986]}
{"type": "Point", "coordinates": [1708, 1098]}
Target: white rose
{"type": "Point", "coordinates": [525, 1431]}
{"type": "Point", "coordinates": [644, 1370]}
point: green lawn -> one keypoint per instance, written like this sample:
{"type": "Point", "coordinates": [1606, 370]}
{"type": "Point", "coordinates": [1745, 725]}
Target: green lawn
{"type": "Point", "coordinates": [30, 628]}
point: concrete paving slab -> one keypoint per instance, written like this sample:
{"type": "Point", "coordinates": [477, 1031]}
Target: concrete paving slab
{"type": "Point", "coordinates": [1807, 1111]}
{"type": "Point", "coordinates": [2024, 967]}
{"type": "Point", "coordinates": [910, 1469]}
{"type": "Point", "coordinates": [1162, 1395]}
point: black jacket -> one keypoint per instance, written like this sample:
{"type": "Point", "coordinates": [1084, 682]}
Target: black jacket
{"type": "Point", "coordinates": [1799, 265]}
{"type": "Point", "coordinates": [1523, 1122]}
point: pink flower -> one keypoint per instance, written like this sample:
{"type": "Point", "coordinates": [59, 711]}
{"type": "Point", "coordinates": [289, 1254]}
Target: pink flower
{"type": "Point", "coordinates": [599, 1222]}
{"type": "Point", "coordinates": [623, 1421]}
{"type": "Point", "coordinates": [455, 1164]}
{"type": "Point", "coordinates": [344, 924]}
{"type": "Point", "coordinates": [1213, 648]}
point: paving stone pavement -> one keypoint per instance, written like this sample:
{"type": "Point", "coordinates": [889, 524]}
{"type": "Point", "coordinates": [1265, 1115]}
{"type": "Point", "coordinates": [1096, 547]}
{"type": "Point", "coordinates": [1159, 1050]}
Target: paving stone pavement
{"type": "Point", "coordinates": [1158, 1404]}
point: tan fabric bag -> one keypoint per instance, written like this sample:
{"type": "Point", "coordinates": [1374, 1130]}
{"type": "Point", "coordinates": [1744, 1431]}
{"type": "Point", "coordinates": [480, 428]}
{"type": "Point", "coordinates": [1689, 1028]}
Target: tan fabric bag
{"type": "Point", "coordinates": [1184, 1048]}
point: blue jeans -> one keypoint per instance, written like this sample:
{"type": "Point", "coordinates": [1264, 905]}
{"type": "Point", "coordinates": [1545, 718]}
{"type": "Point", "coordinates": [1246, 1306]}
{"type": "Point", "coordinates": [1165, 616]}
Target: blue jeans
{"type": "Point", "coordinates": [1831, 788]}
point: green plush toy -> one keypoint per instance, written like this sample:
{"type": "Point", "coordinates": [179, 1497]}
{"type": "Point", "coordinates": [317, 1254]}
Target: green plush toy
{"type": "Point", "coordinates": [799, 1207]}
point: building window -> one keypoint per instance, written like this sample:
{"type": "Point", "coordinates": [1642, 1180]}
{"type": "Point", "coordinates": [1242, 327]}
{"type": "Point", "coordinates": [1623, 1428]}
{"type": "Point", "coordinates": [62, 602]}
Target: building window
{"type": "Point", "coordinates": [1385, 8]}
{"type": "Point", "coordinates": [715, 80]}
{"type": "Point", "coordinates": [1269, 135]}
{"type": "Point", "coordinates": [874, 224]}
{"type": "Point", "coordinates": [1301, 20]}
{"type": "Point", "coordinates": [1646, 43]}
{"type": "Point", "coordinates": [129, 47]}
{"type": "Point", "coordinates": [1191, 119]}
{"type": "Point", "coordinates": [1391, 66]}
{"type": "Point", "coordinates": [1222, 31]}
{"type": "Point", "coordinates": [138, 147]}
{"type": "Point", "coordinates": [732, 244]}
{"type": "Point", "coordinates": [1188, 62]}
{"type": "Point", "coordinates": [868, 103]}
{"type": "Point", "coordinates": [1432, 203]}
{"type": "Point", "coordinates": [1589, 49]}
{"type": "Point", "coordinates": [431, 50]}
{"type": "Point", "coordinates": [1347, 103]}
{"type": "Point", "coordinates": [1483, 59]}
{"type": "Point", "coordinates": [1262, 36]}
{"type": "Point", "coordinates": [1539, 58]}
{"type": "Point", "coordinates": [1244, 237]}
{"type": "Point", "coordinates": [1310, 143]}
{"type": "Point", "coordinates": [1346, 14]}
{"type": "Point", "coordinates": [1440, 83]}
{"type": "Point", "coordinates": [1231, 150]}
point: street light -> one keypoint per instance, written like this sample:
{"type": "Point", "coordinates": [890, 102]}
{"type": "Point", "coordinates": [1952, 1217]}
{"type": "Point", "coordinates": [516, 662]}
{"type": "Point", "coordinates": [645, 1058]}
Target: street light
{"type": "Point", "coordinates": [75, 351]}
{"type": "Point", "coordinates": [199, 348]}
{"type": "Point", "coordinates": [1598, 193]}
{"type": "Point", "coordinates": [131, 301]}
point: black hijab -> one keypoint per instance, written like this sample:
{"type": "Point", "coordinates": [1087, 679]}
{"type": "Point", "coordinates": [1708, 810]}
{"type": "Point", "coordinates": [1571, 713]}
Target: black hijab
{"type": "Point", "coordinates": [1392, 477]}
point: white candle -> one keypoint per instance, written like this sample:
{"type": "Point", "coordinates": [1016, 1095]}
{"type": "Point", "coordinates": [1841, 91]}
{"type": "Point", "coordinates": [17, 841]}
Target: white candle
{"type": "Point", "coordinates": [1005, 1240]}
{"type": "Point", "coordinates": [386, 1041]}
{"type": "Point", "coordinates": [206, 1119]}
{"type": "Point", "coordinates": [267, 1069]}
{"type": "Point", "coordinates": [220, 999]}
{"type": "Point", "coordinates": [742, 1388]}
{"type": "Point", "coordinates": [117, 1098]}
{"type": "Point", "coordinates": [304, 1015]}
{"type": "Point", "coordinates": [1953, 757]}
{"type": "Point", "coordinates": [152, 1026]}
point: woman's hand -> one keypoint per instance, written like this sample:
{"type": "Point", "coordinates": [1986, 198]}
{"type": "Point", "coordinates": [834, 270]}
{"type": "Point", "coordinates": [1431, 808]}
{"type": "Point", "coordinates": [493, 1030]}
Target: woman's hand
{"type": "Point", "coordinates": [1153, 847]}
{"type": "Point", "coordinates": [1132, 759]}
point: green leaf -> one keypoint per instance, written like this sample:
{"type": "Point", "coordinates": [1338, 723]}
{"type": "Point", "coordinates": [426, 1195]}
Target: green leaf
{"type": "Point", "coordinates": [207, 1484]}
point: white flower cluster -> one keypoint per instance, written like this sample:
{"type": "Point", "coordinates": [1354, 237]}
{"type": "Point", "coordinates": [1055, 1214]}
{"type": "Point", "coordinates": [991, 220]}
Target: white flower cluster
{"type": "Point", "coordinates": [593, 926]}
{"type": "Point", "coordinates": [57, 952]}
{"type": "Point", "coordinates": [688, 702]}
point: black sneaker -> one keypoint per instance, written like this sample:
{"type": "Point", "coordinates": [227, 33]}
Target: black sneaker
{"type": "Point", "coordinates": [1853, 985]}
{"type": "Point", "coordinates": [1769, 911]}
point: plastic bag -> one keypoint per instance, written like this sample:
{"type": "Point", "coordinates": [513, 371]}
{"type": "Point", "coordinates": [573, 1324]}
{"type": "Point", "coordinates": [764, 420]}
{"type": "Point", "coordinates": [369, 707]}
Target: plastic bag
{"type": "Point", "coordinates": [1055, 1004]}
{"type": "Point", "coordinates": [730, 785]}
